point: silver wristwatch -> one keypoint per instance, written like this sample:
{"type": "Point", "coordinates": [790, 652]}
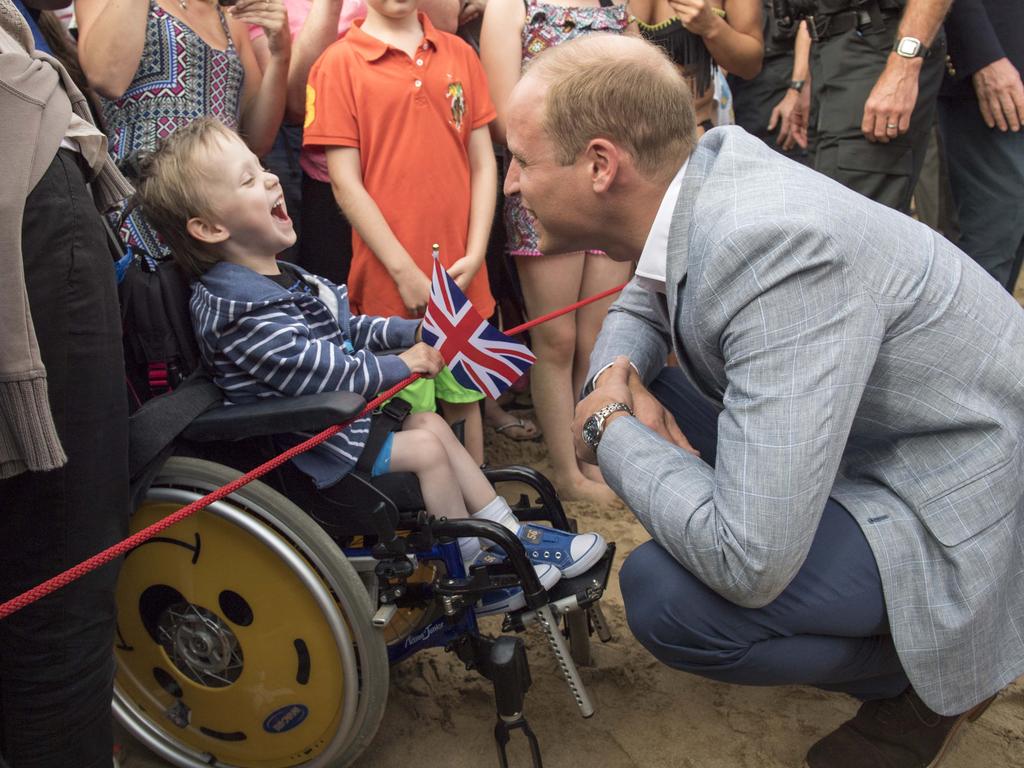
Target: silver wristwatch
{"type": "Point", "coordinates": [593, 427]}
{"type": "Point", "coordinates": [909, 48]}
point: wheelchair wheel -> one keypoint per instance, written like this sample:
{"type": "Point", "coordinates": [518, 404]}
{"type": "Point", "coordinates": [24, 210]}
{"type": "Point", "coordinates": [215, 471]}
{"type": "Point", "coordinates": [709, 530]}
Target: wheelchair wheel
{"type": "Point", "coordinates": [244, 635]}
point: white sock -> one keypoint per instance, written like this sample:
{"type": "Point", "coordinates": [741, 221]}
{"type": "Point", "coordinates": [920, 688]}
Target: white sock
{"type": "Point", "coordinates": [470, 548]}
{"type": "Point", "coordinates": [498, 511]}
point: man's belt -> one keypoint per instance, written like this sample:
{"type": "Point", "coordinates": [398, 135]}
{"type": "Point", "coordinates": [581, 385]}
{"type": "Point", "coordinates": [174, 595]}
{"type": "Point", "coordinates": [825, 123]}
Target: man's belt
{"type": "Point", "coordinates": [823, 26]}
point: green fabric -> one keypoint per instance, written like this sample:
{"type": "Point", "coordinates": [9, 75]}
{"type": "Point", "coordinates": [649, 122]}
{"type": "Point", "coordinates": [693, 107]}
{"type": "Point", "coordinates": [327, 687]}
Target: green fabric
{"type": "Point", "coordinates": [423, 394]}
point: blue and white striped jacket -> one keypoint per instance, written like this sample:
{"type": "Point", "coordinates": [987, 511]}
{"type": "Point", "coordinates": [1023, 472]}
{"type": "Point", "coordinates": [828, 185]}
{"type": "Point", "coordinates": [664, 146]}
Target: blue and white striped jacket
{"type": "Point", "coordinates": [259, 340]}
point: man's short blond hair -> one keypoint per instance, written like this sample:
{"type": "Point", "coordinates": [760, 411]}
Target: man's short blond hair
{"type": "Point", "coordinates": [171, 189]}
{"type": "Point", "coordinates": [622, 89]}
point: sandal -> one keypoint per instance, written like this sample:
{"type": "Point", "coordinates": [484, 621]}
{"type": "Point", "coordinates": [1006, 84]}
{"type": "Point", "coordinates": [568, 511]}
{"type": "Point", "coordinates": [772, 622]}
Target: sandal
{"type": "Point", "coordinates": [528, 431]}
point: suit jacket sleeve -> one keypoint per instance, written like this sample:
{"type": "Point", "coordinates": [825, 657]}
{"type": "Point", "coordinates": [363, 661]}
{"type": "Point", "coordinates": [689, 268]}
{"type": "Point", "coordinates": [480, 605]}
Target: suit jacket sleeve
{"type": "Point", "coordinates": [798, 351]}
{"type": "Point", "coordinates": [971, 38]}
{"type": "Point", "coordinates": [635, 327]}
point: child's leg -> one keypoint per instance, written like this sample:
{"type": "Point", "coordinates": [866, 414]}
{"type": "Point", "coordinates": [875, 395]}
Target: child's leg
{"type": "Point", "coordinates": [599, 274]}
{"type": "Point", "coordinates": [420, 451]}
{"type": "Point", "coordinates": [467, 477]}
{"type": "Point", "coordinates": [474, 429]}
{"type": "Point", "coordinates": [551, 380]}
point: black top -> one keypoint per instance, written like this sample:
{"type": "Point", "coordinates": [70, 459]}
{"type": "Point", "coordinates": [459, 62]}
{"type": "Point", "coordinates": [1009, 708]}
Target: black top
{"type": "Point", "coordinates": [979, 32]}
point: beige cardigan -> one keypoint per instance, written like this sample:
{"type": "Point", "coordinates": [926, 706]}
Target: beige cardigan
{"type": "Point", "coordinates": [40, 105]}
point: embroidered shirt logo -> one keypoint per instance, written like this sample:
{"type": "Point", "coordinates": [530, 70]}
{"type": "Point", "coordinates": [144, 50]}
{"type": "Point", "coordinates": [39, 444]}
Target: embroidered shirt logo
{"type": "Point", "coordinates": [457, 97]}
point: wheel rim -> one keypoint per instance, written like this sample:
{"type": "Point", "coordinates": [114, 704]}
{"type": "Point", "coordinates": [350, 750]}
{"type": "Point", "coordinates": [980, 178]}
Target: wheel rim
{"type": "Point", "coordinates": [231, 655]}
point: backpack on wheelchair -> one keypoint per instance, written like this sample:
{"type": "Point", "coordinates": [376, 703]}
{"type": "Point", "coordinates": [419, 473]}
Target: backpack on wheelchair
{"type": "Point", "coordinates": [258, 633]}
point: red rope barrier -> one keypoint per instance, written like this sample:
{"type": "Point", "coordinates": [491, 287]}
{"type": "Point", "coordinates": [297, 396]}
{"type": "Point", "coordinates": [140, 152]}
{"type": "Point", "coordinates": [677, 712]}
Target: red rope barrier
{"type": "Point", "coordinates": [111, 553]}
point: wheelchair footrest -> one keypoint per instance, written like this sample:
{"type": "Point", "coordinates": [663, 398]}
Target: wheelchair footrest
{"type": "Point", "coordinates": [587, 587]}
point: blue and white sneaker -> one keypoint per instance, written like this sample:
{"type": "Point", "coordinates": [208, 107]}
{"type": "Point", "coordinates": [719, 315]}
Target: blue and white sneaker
{"type": "Point", "coordinates": [571, 553]}
{"type": "Point", "coordinates": [512, 598]}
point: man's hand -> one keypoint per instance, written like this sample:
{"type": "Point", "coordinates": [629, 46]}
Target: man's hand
{"type": "Point", "coordinates": [653, 415]}
{"type": "Point", "coordinates": [613, 388]}
{"type": "Point", "coordinates": [891, 102]}
{"type": "Point", "coordinates": [423, 359]}
{"type": "Point", "coordinates": [414, 288]}
{"type": "Point", "coordinates": [791, 119]}
{"type": "Point", "coordinates": [696, 15]}
{"type": "Point", "coordinates": [1000, 95]}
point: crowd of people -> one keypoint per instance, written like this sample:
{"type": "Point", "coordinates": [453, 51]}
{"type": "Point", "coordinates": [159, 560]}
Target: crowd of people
{"type": "Point", "coordinates": [385, 127]}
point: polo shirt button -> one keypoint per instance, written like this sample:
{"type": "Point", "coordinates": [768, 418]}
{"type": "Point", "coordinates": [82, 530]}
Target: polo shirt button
{"type": "Point", "coordinates": [418, 83]}
{"type": "Point", "coordinates": [419, 62]}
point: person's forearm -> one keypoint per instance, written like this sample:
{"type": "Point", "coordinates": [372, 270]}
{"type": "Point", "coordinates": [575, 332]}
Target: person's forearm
{"type": "Point", "coordinates": [364, 214]}
{"type": "Point", "coordinates": [484, 194]}
{"type": "Point", "coordinates": [922, 19]}
{"type": "Point", "coordinates": [802, 54]}
{"type": "Point", "coordinates": [739, 53]}
{"type": "Point", "coordinates": [319, 31]}
{"type": "Point", "coordinates": [110, 44]}
{"type": "Point", "coordinates": [262, 118]}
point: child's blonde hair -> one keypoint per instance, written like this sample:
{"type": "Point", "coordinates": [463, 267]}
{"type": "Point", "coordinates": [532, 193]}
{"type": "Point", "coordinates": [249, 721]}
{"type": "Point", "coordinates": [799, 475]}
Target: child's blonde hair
{"type": "Point", "coordinates": [170, 190]}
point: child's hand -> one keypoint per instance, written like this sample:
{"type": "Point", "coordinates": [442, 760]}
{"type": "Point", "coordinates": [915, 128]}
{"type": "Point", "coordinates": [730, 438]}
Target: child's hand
{"type": "Point", "coordinates": [423, 359]}
{"type": "Point", "coordinates": [414, 288]}
{"type": "Point", "coordinates": [463, 271]}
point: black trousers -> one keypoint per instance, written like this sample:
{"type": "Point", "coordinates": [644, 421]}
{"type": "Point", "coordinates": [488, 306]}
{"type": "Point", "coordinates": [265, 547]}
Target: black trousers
{"type": "Point", "coordinates": [754, 100]}
{"type": "Point", "coordinates": [325, 246]}
{"type": "Point", "coordinates": [844, 69]}
{"type": "Point", "coordinates": [56, 662]}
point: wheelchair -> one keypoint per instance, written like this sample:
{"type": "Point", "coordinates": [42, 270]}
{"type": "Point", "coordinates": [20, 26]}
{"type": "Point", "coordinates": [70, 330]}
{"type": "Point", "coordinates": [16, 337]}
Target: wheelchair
{"type": "Point", "coordinates": [259, 632]}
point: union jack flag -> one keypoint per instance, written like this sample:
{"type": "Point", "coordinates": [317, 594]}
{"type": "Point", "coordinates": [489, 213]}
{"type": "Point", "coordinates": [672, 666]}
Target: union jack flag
{"type": "Point", "coordinates": [479, 355]}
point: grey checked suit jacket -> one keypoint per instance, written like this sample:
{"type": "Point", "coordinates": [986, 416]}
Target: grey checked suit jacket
{"type": "Point", "coordinates": [853, 353]}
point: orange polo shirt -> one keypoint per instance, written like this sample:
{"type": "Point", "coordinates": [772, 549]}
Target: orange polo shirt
{"type": "Point", "coordinates": [411, 119]}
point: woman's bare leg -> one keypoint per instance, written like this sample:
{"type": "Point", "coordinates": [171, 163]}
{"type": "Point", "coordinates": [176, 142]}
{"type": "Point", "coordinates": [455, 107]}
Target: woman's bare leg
{"type": "Point", "coordinates": [551, 380]}
{"type": "Point", "coordinates": [599, 273]}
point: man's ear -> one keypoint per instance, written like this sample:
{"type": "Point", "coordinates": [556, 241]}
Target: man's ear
{"type": "Point", "coordinates": [603, 159]}
{"type": "Point", "coordinates": [206, 231]}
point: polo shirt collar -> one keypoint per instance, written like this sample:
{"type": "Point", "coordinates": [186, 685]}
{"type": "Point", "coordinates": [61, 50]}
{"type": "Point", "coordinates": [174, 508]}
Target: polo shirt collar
{"type": "Point", "coordinates": [371, 48]}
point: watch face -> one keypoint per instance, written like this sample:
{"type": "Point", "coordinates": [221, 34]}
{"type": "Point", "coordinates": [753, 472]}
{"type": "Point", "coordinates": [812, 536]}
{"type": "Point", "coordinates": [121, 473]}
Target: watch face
{"type": "Point", "coordinates": [591, 432]}
{"type": "Point", "coordinates": [909, 47]}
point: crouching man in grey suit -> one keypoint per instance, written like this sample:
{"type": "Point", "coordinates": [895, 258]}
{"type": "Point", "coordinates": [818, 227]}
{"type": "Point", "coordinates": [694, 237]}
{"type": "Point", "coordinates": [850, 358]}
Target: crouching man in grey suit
{"type": "Point", "coordinates": [849, 514]}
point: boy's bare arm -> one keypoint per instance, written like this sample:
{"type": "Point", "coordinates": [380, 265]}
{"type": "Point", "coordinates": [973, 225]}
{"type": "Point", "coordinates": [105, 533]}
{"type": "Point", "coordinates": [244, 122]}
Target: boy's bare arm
{"type": "Point", "coordinates": [318, 31]}
{"type": "Point", "coordinates": [483, 195]}
{"type": "Point", "coordinates": [346, 174]}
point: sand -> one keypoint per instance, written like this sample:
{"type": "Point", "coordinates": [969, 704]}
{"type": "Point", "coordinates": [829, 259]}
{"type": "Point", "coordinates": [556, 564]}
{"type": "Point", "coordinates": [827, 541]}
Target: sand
{"type": "Point", "coordinates": [647, 715]}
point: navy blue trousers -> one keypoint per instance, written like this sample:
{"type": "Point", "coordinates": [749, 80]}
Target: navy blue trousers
{"type": "Point", "coordinates": [828, 628]}
{"type": "Point", "coordinates": [986, 174]}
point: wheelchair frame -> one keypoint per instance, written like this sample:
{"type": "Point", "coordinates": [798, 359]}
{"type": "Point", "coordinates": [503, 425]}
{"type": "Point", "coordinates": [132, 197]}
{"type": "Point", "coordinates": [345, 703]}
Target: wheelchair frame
{"type": "Point", "coordinates": [383, 570]}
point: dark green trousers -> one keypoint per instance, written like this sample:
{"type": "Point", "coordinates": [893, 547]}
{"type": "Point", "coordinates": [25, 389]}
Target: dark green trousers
{"type": "Point", "coordinates": [844, 69]}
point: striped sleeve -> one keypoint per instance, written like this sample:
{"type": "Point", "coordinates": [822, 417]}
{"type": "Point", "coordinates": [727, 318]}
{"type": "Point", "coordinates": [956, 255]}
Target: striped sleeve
{"type": "Point", "coordinates": [276, 349]}
{"type": "Point", "coordinates": [378, 333]}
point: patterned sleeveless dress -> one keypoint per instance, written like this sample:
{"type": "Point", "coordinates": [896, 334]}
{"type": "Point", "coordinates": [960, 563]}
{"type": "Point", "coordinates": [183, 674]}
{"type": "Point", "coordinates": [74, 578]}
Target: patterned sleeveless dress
{"type": "Point", "coordinates": [547, 25]}
{"type": "Point", "coordinates": [180, 78]}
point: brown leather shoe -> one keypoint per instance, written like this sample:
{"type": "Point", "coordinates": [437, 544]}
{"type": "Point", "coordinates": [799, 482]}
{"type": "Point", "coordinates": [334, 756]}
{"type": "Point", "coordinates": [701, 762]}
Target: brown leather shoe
{"type": "Point", "coordinates": [891, 733]}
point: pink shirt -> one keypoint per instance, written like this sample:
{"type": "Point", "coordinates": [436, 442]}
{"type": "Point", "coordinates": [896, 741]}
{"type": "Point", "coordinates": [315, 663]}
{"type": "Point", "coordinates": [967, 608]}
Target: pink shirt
{"type": "Point", "coordinates": [314, 161]}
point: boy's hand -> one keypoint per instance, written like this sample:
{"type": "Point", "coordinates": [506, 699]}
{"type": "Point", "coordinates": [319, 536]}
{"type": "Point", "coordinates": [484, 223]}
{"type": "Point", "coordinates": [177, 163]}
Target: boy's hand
{"type": "Point", "coordinates": [463, 271]}
{"type": "Point", "coordinates": [423, 359]}
{"type": "Point", "coordinates": [414, 288]}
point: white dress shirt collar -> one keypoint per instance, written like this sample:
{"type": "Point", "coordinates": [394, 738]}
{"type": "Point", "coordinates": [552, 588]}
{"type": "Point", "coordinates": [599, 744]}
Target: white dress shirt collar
{"type": "Point", "coordinates": [650, 268]}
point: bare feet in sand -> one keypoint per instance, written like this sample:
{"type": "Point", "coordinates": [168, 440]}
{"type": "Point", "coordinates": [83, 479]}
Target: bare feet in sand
{"type": "Point", "coordinates": [582, 489]}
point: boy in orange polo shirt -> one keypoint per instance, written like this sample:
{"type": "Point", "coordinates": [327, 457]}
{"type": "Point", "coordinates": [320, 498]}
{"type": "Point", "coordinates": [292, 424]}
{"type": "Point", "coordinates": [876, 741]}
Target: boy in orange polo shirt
{"type": "Point", "coordinates": [402, 111]}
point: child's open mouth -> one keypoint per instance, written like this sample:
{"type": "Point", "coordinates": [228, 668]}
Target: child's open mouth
{"type": "Point", "coordinates": [280, 212]}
